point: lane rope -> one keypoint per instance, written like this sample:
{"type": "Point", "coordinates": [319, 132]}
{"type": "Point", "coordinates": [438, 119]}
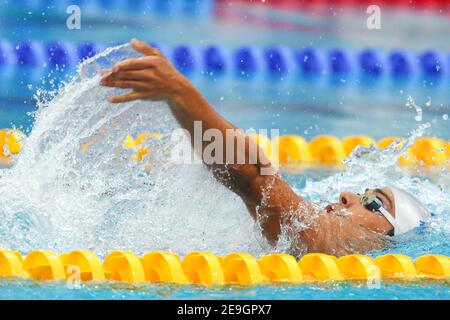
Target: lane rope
{"type": "Point", "coordinates": [286, 150]}
{"type": "Point", "coordinates": [205, 268]}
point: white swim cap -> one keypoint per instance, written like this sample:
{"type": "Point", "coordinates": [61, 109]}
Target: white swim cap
{"type": "Point", "coordinates": [409, 211]}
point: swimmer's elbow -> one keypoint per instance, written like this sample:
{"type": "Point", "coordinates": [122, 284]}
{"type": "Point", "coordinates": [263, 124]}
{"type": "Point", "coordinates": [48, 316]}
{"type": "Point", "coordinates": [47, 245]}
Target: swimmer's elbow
{"type": "Point", "coordinates": [276, 204]}
{"type": "Point", "coordinates": [270, 199]}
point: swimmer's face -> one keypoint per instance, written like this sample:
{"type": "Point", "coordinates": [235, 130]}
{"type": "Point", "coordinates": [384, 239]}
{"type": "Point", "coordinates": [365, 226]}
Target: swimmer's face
{"type": "Point", "coordinates": [350, 205]}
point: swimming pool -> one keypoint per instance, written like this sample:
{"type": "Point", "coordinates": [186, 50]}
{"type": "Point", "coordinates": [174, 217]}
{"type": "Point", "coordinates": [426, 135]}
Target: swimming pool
{"type": "Point", "coordinates": [106, 220]}
{"type": "Point", "coordinates": [353, 291]}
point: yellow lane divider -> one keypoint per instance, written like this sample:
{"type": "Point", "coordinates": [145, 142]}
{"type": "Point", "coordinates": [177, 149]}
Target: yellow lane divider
{"type": "Point", "coordinates": [207, 269]}
{"type": "Point", "coordinates": [287, 150]}
{"type": "Point", "coordinates": [330, 150]}
{"type": "Point", "coordinates": [11, 143]}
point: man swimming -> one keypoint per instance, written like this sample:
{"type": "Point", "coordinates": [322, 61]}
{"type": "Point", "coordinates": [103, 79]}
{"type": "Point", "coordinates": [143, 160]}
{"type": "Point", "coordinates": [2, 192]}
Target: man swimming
{"type": "Point", "coordinates": [357, 223]}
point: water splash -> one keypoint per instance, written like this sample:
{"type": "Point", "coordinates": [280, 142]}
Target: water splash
{"type": "Point", "coordinates": [74, 186]}
{"type": "Point", "coordinates": [375, 168]}
{"type": "Point", "coordinates": [419, 111]}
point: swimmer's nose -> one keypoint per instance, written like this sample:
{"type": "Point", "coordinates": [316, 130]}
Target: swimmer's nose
{"type": "Point", "coordinates": [347, 199]}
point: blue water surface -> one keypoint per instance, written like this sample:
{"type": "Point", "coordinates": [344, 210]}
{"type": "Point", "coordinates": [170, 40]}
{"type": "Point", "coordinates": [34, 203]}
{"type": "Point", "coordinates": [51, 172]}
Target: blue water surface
{"type": "Point", "coordinates": [327, 291]}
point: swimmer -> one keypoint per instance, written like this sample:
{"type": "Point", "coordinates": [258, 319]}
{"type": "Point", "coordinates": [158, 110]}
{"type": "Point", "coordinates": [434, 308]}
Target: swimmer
{"type": "Point", "coordinates": [357, 223]}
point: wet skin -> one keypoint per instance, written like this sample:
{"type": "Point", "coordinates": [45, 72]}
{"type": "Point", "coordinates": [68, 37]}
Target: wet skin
{"type": "Point", "coordinates": [342, 228]}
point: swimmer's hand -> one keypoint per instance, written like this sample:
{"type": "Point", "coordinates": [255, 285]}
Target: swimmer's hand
{"type": "Point", "coordinates": [149, 77]}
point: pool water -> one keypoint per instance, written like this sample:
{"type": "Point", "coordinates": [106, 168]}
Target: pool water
{"type": "Point", "coordinates": [59, 199]}
{"type": "Point", "coordinates": [326, 291]}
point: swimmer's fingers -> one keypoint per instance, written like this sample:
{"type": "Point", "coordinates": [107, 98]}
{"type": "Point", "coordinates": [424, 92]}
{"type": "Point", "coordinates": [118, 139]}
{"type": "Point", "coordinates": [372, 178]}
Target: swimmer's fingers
{"type": "Point", "coordinates": [142, 75]}
{"type": "Point", "coordinates": [128, 84]}
{"type": "Point", "coordinates": [134, 64]}
{"type": "Point", "coordinates": [144, 48]}
{"type": "Point", "coordinates": [126, 97]}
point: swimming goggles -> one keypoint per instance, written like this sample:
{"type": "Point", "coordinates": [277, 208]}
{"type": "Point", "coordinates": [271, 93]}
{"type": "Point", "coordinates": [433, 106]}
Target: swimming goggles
{"type": "Point", "coordinates": [374, 204]}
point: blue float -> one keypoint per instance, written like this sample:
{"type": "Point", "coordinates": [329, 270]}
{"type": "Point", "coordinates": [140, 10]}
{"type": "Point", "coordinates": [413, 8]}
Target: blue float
{"type": "Point", "coordinates": [432, 64]}
{"type": "Point", "coordinates": [215, 60]}
{"type": "Point", "coordinates": [401, 64]}
{"type": "Point", "coordinates": [310, 61]}
{"type": "Point", "coordinates": [371, 63]}
{"type": "Point", "coordinates": [31, 53]}
{"type": "Point", "coordinates": [61, 54]}
{"type": "Point", "coordinates": [277, 64]}
{"type": "Point", "coordinates": [184, 59]}
{"type": "Point", "coordinates": [87, 50]}
{"type": "Point", "coordinates": [247, 62]}
{"type": "Point", "coordinates": [339, 62]}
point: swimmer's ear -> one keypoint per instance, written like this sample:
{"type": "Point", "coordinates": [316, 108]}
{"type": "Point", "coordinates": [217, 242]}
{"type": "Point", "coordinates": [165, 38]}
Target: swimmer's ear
{"type": "Point", "coordinates": [144, 48]}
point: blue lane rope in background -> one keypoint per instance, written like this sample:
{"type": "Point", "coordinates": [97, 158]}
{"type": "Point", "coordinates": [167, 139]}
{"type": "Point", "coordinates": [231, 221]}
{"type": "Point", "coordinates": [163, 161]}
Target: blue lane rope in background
{"type": "Point", "coordinates": [249, 62]}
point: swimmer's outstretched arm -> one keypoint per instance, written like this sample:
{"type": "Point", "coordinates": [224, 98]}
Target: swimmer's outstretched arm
{"type": "Point", "coordinates": [268, 197]}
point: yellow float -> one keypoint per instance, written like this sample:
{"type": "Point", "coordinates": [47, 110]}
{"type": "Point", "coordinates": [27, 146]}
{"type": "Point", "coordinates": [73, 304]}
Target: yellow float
{"type": "Point", "coordinates": [327, 150]}
{"type": "Point", "coordinates": [290, 151]}
{"type": "Point", "coordinates": [320, 267]}
{"type": "Point", "coordinates": [124, 267]}
{"type": "Point", "coordinates": [433, 265]}
{"type": "Point", "coordinates": [162, 266]}
{"type": "Point", "coordinates": [280, 268]}
{"type": "Point", "coordinates": [241, 268]}
{"type": "Point", "coordinates": [88, 264]}
{"type": "Point", "coordinates": [44, 265]}
{"type": "Point", "coordinates": [11, 264]}
{"type": "Point", "coordinates": [396, 266]}
{"type": "Point", "coordinates": [358, 267]}
{"type": "Point", "coordinates": [207, 269]}
{"type": "Point", "coordinates": [11, 143]}
{"type": "Point", "coordinates": [429, 151]}
{"type": "Point", "coordinates": [203, 268]}
{"type": "Point", "coordinates": [351, 142]}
